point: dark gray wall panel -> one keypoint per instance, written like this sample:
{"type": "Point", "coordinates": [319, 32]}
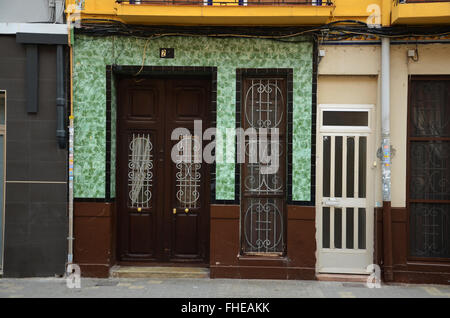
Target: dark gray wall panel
{"type": "Point", "coordinates": [36, 228]}
{"type": "Point", "coordinates": [32, 78]}
{"type": "Point", "coordinates": [36, 220]}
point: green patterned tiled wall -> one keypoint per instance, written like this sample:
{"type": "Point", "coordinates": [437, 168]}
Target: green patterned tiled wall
{"type": "Point", "coordinates": [92, 54]}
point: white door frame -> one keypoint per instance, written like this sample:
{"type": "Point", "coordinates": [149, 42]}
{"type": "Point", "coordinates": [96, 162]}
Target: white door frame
{"type": "Point", "coordinates": [343, 260]}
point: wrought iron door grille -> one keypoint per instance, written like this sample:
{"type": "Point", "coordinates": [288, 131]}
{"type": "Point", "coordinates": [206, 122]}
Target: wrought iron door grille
{"type": "Point", "coordinates": [140, 171]}
{"type": "Point", "coordinates": [263, 194]}
{"type": "Point", "coordinates": [430, 232]}
{"type": "Point", "coordinates": [429, 167]}
{"type": "Point", "coordinates": [188, 176]}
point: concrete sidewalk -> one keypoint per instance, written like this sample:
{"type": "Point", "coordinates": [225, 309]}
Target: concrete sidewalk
{"type": "Point", "coordinates": [210, 288]}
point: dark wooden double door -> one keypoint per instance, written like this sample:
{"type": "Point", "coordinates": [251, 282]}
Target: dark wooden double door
{"type": "Point", "coordinates": [163, 206]}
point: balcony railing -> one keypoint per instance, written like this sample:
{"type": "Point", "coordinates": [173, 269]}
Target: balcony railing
{"type": "Point", "coordinates": [228, 2]}
{"type": "Point", "coordinates": [420, 12]}
{"type": "Point", "coordinates": [419, 1]}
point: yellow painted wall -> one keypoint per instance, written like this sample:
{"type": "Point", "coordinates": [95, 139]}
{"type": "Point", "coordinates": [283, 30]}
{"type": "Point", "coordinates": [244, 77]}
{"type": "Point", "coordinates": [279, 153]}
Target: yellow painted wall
{"type": "Point", "coordinates": [409, 13]}
{"type": "Point", "coordinates": [421, 13]}
{"type": "Point", "coordinates": [227, 13]}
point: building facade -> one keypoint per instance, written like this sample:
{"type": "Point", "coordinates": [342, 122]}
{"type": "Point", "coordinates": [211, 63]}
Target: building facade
{"type": "Point", "coordinates": [325, 211]}
{"type": "Point", "coordinates": [171, 102]}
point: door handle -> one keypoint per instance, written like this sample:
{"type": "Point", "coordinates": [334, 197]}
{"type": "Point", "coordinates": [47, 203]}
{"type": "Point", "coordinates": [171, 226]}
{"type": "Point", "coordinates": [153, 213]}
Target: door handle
{"type": "Point", "coordinates": [174, 211]}
{"type": "Point", "coordinates": [331, 202]}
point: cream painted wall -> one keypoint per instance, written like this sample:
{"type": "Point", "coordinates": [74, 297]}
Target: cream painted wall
{"type": "Point", "coordinates": [349, 74]}
{"type": "Point", "coordinates": [350, 60]}
{"type": "Point", "coordinates": [345, 89]}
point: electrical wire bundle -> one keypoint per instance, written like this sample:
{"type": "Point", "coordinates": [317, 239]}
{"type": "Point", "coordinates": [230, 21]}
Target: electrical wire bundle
{"type": "Point", "coordinates": [334, 31]}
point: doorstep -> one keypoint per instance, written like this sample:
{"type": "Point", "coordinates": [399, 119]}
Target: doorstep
{"type": "Point", "coordinates": [158, 272]}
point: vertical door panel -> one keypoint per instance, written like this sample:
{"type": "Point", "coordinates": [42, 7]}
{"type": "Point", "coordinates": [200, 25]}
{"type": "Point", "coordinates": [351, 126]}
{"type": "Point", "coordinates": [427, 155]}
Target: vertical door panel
{"type": "Point", "coordinates": [188, 207]}
{"type": "Point", "coordinates": [346, 226]}
{"type": "Point", "coordinates": [140, 169]}
{"type": "Point", "coordinates": [141, 193]}
{"type": "Point", "coordinates": [350, 228]}
{"type": "Point", "coordinates": [187, 198]}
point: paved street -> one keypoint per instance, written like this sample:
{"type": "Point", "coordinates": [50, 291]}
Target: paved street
{"type": "Point", "coordinates": [209, 288]}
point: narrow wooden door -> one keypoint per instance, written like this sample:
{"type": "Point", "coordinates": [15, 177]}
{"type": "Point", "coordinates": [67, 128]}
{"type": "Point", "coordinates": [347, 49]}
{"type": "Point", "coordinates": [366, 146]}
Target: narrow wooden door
{"type": "Point", "coordinates": [345, 189]}
{"type": "Point", "coordinates": [163, 210]}
{"type": "Point", "coordinates": [188, 180]}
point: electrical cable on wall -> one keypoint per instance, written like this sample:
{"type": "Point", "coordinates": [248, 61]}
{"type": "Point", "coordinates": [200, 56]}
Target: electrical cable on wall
{"type": "Point", "coordinates": [334, 31]}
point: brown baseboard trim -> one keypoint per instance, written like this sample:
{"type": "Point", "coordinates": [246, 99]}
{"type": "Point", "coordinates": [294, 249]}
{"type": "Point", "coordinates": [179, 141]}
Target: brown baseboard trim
{"type": "Point", "coordinates": [410, 277]}
{"type": "Point", "coordinates": [93, 209]}
{"type": "Point", "coordinates": [342, 278]}
{"type": "Point", "coordinates": [263, 272]}
{"type": "Point", "coordinates": [94, 270]}
{"type": "Point", "coordinates": [223, 211]}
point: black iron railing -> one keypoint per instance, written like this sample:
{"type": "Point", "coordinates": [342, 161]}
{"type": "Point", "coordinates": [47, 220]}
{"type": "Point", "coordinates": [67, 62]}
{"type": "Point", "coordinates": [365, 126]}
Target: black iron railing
{"type": "Point", "coordinates": [418, 1]}
{"type": "Point", "coordinates": [230, 2]}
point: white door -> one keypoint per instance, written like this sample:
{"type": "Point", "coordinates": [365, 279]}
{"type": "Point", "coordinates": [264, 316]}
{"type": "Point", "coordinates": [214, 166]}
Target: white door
{"type": "Point", "coordinates": [345, 192]}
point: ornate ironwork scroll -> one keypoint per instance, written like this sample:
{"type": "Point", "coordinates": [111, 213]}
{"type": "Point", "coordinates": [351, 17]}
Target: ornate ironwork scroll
{"type": "Point", "coordinates": [140, 171]}
{"type": "Point", "coordinates": [188, 176]}
{"type": "Point", "coordinates": [263, 194]}
{"type": "Point", "coordinates": [430, 230]}
{"type": "Point", "coordinates": [430, 170]}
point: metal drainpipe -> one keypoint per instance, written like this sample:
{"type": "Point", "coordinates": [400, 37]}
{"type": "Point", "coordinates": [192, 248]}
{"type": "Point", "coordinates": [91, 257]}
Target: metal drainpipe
{"type": "Point", "coordinates": [70, 237]}
{"type": "Point", "coordinates": [385, 124]}
{"type": "Point", "coordinates": [60, 100]}
{"type": "Point", "coordinates": [386, 159]}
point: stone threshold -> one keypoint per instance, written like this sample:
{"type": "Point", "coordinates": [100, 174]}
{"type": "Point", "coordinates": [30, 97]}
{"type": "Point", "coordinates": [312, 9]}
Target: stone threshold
{"type": "Point", "coordinates": [354, 278]}
{"type": "Point", "coordinates": [158, 272]}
